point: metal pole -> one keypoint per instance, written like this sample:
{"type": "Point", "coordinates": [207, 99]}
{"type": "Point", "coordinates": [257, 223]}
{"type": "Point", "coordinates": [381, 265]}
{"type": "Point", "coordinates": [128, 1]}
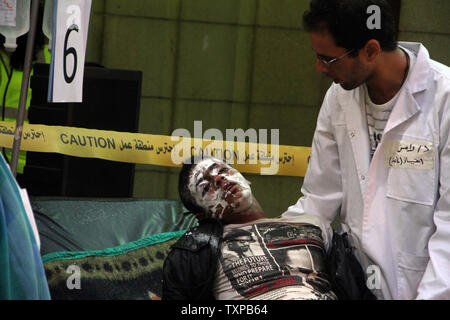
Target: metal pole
{"type": "Point", "coordinates": [24, 88]}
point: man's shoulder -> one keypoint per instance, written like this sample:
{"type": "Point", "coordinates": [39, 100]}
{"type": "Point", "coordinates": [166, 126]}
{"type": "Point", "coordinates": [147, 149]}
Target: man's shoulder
{"type": "Point", "coordinates": [207, 231]}
{"type": "Point", "coordinates": [441, 71]}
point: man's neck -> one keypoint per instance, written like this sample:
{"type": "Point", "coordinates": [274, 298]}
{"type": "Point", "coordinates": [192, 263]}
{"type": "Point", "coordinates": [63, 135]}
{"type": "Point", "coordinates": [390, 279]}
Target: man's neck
{"type": "Point", "coordinates": [388, 76]}
{"type": "Point", "coordinates": [253, 213]}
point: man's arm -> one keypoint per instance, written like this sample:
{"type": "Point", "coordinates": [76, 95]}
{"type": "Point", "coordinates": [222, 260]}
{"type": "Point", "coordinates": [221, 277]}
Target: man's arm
{"type": "Point", "coordinates": [435, 283]}
{"type": "Point", "coordinates": [173, 283]}
{"type": "Point", "coordinates": [190, 267]}
{"type": "Point", "coordinates": [187, 271]}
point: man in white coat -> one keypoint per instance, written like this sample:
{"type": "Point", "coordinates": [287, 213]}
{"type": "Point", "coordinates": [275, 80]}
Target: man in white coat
{"type": "Point", "coordinates": [380, 159]}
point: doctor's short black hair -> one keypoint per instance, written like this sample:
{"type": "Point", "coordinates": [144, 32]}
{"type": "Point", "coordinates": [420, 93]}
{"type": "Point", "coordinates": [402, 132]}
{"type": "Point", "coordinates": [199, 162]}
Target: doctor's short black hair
{"type": "Point", "coordinates": [346, 20]}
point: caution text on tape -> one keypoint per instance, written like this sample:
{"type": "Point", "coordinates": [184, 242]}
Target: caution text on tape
{"type": "Point", "coordinates": [157, 149]}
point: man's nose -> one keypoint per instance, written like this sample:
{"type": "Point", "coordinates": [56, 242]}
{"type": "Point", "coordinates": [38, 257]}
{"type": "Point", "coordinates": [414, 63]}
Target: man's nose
{"type": "Point", "coordinates": [218, 179]}
{"type": "Point", "coordinates": [320, 66]}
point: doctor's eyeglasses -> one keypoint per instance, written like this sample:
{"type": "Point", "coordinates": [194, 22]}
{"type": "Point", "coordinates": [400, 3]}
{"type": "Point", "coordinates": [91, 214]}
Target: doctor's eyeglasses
{"type": "Point", "coordinates": [328, 62]}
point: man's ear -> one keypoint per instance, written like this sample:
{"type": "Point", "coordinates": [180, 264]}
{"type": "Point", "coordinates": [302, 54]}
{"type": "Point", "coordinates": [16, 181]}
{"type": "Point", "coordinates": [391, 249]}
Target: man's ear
{"type": "Point", "coordinates": [371, 50]}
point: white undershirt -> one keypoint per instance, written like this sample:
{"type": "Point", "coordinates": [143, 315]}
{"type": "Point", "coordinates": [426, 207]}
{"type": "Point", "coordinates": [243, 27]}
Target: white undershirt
{"type": "Point", "coordinates": [378, 114]}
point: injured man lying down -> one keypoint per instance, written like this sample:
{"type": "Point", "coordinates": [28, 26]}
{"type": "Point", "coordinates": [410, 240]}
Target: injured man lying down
{"type": "Point", "coordinates": [236, 252]}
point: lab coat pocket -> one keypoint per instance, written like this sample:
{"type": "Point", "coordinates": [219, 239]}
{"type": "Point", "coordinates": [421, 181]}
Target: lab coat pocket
{"type": "Point", "coordinates": [411, 185]}
{"type": "Point", "coordinates": [410, 272]}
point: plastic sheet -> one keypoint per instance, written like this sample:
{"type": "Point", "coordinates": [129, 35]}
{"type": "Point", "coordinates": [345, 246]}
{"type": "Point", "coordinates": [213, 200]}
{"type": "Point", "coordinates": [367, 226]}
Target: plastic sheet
{"type": "Point", "coordinates": [21, 269]}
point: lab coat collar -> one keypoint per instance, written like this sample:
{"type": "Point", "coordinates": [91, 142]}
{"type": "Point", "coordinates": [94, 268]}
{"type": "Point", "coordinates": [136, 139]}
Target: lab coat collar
{"type": "Point", "coordinates": [418, 76]}
{"type": "Point", "coordinates": [407, 105]}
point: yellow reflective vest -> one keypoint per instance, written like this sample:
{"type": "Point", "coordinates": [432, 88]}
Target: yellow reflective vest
{"type": "Point", "coordinates": [10, 86]}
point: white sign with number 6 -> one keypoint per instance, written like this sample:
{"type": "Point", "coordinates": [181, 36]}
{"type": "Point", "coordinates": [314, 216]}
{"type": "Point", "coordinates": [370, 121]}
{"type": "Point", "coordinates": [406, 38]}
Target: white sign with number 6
{"type": "Point", "coordinates": [69, 49]}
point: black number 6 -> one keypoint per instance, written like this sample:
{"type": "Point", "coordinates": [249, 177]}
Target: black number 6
{"type": "Point", "coordinates": [68, 51]}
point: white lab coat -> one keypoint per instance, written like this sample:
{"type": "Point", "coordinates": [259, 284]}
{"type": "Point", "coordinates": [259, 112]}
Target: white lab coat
{"type": "Point", "coordinates": [397, 212]}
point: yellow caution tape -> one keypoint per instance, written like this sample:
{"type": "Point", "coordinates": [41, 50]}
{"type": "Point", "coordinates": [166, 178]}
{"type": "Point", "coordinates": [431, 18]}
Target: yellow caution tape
{"type": "Point", "coordinates": [156, 149]}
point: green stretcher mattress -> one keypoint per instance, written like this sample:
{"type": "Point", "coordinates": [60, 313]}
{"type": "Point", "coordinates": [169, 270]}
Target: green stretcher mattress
{"type": "Point", "coordinates": [84, 224]}
{"type": "Point", "coordinates": [132, 271]}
